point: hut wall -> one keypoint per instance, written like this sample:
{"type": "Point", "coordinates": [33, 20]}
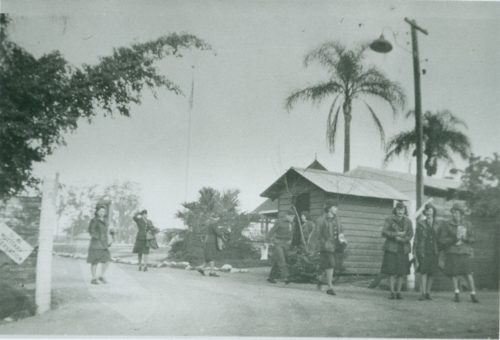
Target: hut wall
{"type": "Point", "coordinates": [363, 220]}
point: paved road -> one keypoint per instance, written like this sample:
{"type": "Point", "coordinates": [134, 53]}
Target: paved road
{"type": "Point", "coordinates": [176, 302]}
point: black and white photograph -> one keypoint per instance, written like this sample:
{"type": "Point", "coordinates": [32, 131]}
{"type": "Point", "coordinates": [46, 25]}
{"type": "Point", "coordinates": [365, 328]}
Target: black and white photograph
{"type": "Point", "coordinates": [249, 168]}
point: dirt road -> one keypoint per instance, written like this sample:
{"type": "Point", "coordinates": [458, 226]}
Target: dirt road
{"type": "Point", "coordinates": [177, 302]}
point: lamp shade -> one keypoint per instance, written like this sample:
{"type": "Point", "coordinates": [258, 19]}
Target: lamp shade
{"type": "Point", "coordinates": [381, 45]}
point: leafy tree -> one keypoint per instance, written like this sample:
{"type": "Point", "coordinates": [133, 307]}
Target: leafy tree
{"type": "Point", "coordinates": [224, 204]}
{"type": "Point", "coordinates": [482, 180]}
{"type": "Point", "coordinates": [76, 208]}
{"type": "Point", "coordinates": [442, 138]}
{"type": "Point", "coordinates": [44, 98]}
{"type": "Point", "coordinates": [77, 205]}
{"type": "Point", "coordinates": [125, 202]}
{"type": "Point", "coordinates": [348, 80]}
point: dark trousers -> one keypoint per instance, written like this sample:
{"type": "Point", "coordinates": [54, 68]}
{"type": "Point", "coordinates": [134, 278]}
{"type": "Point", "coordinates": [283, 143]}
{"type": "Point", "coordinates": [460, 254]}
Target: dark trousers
{"type": "Point", "coordinates": [279, 267]}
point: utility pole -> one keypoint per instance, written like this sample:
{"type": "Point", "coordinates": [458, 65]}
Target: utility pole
{"type": "Point", "coordinates": [418, 109]}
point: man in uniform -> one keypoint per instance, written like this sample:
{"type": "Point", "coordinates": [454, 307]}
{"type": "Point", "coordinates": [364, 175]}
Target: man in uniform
{"type": "Point", "coordinates": [280, 236]}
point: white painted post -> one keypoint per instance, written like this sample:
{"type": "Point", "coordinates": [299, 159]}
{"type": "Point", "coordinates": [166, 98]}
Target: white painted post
{"type": "Point", "coordinates": [48, 221]}
{"type": "Point", "coordinates": [411, 213]}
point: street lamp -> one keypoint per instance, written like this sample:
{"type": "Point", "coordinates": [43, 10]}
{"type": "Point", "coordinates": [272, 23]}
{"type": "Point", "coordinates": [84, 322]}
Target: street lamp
{"type": "Point", "coordinates": [383, 46]}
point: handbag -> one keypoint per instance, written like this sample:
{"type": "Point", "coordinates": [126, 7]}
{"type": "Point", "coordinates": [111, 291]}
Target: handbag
{"type": "Point", "coordinates": [151, 240]}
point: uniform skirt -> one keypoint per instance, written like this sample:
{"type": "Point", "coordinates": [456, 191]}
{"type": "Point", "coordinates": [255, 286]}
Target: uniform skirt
{"type": "Point", "coordinates": [141, 246]}
{"type": "Point", "coordinates": [96, 256]}
{"type": "Point", "coordinates": [457, 264]}
{"type": "Point", "coordinates": [395, 263]}
{"type": "Point", "coordinates": [428, 264]}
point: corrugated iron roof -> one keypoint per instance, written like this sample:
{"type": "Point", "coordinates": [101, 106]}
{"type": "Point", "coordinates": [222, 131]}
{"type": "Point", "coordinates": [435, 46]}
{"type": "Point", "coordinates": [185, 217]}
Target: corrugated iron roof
{"type": "Point", "coordinates": [432, 182]}
{"type": "Point", "coordinates": [333, 182]}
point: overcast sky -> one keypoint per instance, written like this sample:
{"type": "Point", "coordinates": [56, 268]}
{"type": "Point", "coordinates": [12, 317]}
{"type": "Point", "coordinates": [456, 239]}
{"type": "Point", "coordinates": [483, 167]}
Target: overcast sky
{"type": "Point", "coordinates": [242, 137]}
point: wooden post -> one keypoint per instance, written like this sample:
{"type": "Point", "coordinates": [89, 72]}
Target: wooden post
{"type": "Point", "coordinates": [48, 221]}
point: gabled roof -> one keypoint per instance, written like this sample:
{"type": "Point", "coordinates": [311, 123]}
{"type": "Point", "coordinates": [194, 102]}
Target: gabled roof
{"type": "Point", "coordinates": [316, 165]}
{"type": "Point", "coordinates": [337, 183]}
{"type": "Point", "coordinates": [403, 181]}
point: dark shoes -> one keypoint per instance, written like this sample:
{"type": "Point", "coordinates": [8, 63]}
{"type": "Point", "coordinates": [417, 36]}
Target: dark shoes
{"type": "Point", "coordinates": [102, 280]}
{"type": "Point", "coordinates": [94, 282]}
{"type": "Point", "coordinates": [271, 280]}
{"type": "Point", "coordinates": [473, 298]}
{"type": "Point", "coordinates": [145, 269]}
{"type": "Point", "coordinates": [457, 297]}
{"type": "Point", "coordinates": [425, 296]}
{"type": "Point", "coordinates": [396, 296]}
{"type": "Point", "coordinates": [201, 271]}
{"type": "Point", "coordinates": [213, 274]}
{"type": "Point", "coordinates": [330, 292]}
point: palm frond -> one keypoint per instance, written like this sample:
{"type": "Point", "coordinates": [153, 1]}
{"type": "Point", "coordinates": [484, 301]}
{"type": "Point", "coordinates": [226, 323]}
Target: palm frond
{"type": "Point", "coordinates": [326, 55]}
{"type": "Point", "coordinates": [331, 126]}
{"type": "Point", "coordinates": [378, 123]}
{"type": "Point", "coordinates": [314, 93]}
{"type": "Point", "coordinates": [390, 92]}
{"type": "Point", "coordinates": [400, 143]}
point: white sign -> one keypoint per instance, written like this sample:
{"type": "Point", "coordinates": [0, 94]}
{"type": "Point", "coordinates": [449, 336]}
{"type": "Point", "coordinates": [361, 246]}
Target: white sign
{"type": "Point", "coordinates": [13, 245]}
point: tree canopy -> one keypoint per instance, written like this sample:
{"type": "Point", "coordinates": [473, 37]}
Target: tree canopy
{"type": "Point", "coordinates": [442, 139]}
{"type": "Point", "coordinates": [76, 207]}
{"type": "Point", "coordinates": [224, 204]}
{"type": "Point", "coordinates": [44, 98]}
{"type": "Point", "coordinates": [482, 180]}
{"type": "Point", "coordinates": [348, 80]}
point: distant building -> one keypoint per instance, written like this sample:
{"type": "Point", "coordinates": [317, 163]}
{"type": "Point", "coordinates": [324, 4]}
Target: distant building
{"type": "Point", "coordinates": [363, 205]}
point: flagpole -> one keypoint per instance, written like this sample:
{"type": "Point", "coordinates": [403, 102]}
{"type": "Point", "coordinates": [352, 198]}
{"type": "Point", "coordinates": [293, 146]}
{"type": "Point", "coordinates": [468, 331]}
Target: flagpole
{"type": "Point", "coordinates": [188, 151]}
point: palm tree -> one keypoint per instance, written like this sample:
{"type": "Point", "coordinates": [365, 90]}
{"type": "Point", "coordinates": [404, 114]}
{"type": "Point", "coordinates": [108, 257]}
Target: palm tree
{"type": "Point", "coordinates": [348, 79]}
{"type": "Point", "coordinates": [441, 139]}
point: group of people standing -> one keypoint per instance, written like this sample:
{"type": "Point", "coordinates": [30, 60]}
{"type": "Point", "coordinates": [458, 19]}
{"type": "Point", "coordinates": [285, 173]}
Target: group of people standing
{"type": "Point", "coordinates": [451, 239]}
{"type": "Point", "coordinates": [100, 243]}
{"type": "Point", "coordinates": [446, 244]}
{"type": "Point", "coordinates": [325, 237]}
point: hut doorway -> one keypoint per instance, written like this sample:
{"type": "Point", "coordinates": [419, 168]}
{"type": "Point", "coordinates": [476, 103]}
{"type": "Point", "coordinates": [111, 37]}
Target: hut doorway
{"type": "Point", "coordinates": [302, 203]}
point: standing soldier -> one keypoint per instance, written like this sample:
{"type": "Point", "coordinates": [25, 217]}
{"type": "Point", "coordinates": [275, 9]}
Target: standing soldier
{"type": "Point", "coordinates": [398, 232]}
{"type": "Point", "coordinates": [328, 231]}
{"type": "Point", "coordinates": [280, 236]}
{"type": "Point", "coordinates": [99, 244]}
{"type": "Point", "coordinates": [212, 244]}
{"type": "Point", "coordinates": [456, 237]}
{"type": "Point", "coordinates": [425, 249]}
{"type": "Point", "coordinates": [144, 239]}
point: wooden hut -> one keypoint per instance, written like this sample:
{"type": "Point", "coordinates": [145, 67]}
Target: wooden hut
{"type": "Point", "coordinates": [363, 204]}
{"type": "Point", "coordinates": [445, 192]}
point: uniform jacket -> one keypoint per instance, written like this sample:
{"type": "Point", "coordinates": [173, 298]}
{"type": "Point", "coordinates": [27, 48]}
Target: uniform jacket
{"type": "Point", "coordinates": [425, 235]}
{"type": "Point", "coordinates": [447, 237]}
{"type": "Point", "coordinates": [328, 229]}
{"type": "Point", "coordinates": [144, 225]}
{"type": "Point", "coordinates": [98, 231]}
{"type": "Point", "coordinates": [391, 227]}
{"type": "Point", "coordinates": [281, 233]}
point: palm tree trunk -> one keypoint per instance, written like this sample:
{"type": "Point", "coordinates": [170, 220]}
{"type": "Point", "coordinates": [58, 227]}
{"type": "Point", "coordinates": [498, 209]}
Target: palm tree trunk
{"type": "Point", "coordinates": [347, 134]}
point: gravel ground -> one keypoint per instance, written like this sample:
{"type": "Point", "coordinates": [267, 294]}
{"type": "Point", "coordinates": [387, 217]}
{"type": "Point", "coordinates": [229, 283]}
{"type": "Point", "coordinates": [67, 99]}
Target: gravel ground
{"type": "Point", "coordinates": [165, 301]}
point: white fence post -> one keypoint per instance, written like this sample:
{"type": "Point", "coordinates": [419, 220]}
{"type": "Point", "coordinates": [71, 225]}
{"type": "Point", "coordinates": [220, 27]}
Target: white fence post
{"type": "Point", "coordinates": [48, 221]}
